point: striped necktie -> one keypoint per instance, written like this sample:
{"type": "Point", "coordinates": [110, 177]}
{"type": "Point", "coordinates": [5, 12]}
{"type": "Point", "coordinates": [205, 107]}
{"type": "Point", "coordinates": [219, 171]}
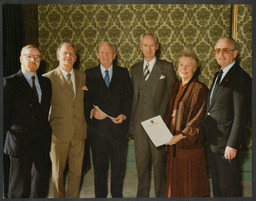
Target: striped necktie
{"type": "Point", "coordinates": [146, 72]}
{"type": "Point", "coordinates": [70, 84]}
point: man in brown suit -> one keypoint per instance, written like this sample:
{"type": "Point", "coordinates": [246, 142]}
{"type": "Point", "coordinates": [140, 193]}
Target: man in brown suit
{"type": "Point", "coordinates": [68, 122]}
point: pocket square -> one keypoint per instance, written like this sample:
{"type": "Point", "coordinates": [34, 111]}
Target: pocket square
{"type": "Point", "coordinates": [84, 88]}
{"type": "Point", "coordinates": [162, 77]}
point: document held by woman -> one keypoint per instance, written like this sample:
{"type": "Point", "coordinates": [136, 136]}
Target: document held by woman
{"type": "Point", "coordinates": [157, 130]}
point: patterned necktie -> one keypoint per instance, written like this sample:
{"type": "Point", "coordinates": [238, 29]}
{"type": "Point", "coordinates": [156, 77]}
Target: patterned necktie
{"type": "Point", "coordinates": [146, 72]}
{"type": "Point", "coordinates": [217, 82]}
{"type": "Point", "coordinates": [70, 84]}
{"type": "Point", "coordinates": [34, 86]}
{"type": "Point", "coordinates": [106, 79]}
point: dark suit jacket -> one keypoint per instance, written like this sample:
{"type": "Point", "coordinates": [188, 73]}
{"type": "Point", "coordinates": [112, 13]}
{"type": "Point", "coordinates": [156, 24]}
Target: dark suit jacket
{"type": "Point", "coordinates": [25, 119]}
{"type": "Point", "coordinates": [115, 100]}
{"type": "Point", "coordinates": [227, 115]}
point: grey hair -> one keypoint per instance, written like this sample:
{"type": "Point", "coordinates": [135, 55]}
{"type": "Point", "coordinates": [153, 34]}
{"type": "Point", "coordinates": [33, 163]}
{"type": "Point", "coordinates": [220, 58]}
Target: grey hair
{"type": "Point", "coordinates": [189, 53]}
{"type": "Point", "coordinates": [66, 43]}
{"type": "Point", "coordinates": [234, 43]}
{"type": "Point", "coordinates": [106, 43]}
{"type": "Point", "coordinates": [148, 34]}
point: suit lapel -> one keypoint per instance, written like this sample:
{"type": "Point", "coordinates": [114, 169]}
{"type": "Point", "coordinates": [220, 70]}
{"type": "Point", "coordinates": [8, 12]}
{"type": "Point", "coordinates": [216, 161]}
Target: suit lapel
{"type": "Point", "coordinates": [63, 81]}
{"type": "Point", "coordinates": [24, 83]}
{"type": "Point", "coordinates": [137, 73]}
{"type": "Point", "coordinates": [77, 81]}
{"type": "Point", "coordinates": [155, 76]}
{"type": "Point", "coordinates": [209, 95]}
{"type": "Point", "coordinates": [223, 83]}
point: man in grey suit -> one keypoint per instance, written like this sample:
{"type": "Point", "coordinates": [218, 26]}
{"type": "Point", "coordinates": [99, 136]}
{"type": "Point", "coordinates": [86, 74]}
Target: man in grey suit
{"type": "Point", "coordinates": [152, 82]}
{"type": "Point", "coordinates": [227, 118]}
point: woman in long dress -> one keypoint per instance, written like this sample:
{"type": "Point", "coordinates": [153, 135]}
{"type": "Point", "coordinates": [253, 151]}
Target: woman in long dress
{"type": "Point", "coordinates": [185, 113]}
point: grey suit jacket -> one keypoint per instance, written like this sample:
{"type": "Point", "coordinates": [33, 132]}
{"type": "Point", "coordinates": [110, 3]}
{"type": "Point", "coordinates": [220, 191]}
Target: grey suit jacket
{"type": "Point", "coordinates": [161, 84]}
{"type": "Point", "coordinates": [67, 111]}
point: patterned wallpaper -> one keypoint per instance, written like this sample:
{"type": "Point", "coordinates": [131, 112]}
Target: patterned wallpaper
{"type": "Point", "coordinates": [177, 26]}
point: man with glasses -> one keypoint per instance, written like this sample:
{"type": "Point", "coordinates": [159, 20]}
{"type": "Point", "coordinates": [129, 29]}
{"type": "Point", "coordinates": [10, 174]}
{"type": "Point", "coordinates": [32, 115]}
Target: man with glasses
{"type": "Point", "coordinates": [27, 97]}
{"type": "Point", "coordinates": [68, 123]}
{"type": "Point", "coordinates": [227, 118]}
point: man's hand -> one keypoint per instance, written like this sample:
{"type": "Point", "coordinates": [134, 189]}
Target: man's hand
{"type": "Point", "coordinates": [98, 115]}
{"type": "Point", "coordinates": [230, 153]}
{"type": "Point", "coordinates": [119, 119]}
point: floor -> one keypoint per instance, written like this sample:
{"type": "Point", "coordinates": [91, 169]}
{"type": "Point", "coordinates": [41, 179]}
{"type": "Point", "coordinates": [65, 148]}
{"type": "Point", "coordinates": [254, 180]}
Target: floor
{"type": "Point", "coordinates": [130, 186]}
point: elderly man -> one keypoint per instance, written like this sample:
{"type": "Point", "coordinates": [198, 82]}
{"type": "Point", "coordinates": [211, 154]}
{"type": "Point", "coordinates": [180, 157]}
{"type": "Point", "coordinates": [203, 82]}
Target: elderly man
{"type": "Point", "coordinates": [68, 122]}
{"type": "Point", "coordinates": [27, 97]}
{"type": "Point", "coordinates": [152, 83]}
{"type": "Point", "coordinates": [109, 88]}
{"type": "Point", "coordinates": [227, 118]}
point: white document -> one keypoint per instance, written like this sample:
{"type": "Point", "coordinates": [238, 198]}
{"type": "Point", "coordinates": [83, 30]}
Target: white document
{"type": "Point", "coordinates": [157, 130]}
{"type": "Point", "coordinates": [97, 108]}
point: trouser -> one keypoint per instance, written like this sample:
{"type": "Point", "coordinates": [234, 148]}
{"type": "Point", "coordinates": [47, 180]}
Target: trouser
{"type": "Point", "coordinates": [72, 151]}
{"type": "Point", "coordinates": [29, 176]}
{"type": "Point", "coordinates": [146, 153]}
{"type": "Point", "coordinates": [225, 175]}
{"type": "Point", "coordinates": [103, 150]}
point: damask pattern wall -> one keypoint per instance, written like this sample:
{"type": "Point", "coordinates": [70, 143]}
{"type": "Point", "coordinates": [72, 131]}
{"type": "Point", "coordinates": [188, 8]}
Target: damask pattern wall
{"type": "Point", "coordinates": [177, 26]}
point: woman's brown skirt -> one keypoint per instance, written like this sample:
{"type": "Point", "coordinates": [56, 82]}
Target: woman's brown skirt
{"type": "Point", "coordinates": [186, 173]}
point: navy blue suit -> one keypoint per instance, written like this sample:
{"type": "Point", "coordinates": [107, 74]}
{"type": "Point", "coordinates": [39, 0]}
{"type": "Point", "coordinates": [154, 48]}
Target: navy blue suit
{"type": "Point", "coordinates": [226, 122]}
{"type": "Point", "coordinates": [28, 136]}
{"type": "Point", "coordinates": [107, 139]}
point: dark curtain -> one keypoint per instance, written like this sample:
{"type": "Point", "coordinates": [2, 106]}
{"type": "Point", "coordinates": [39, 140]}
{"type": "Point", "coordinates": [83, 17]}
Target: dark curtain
{"type": "Point", "coordinates": [13, 40]}
{"type": "Point", "coordinates": [13, 37]}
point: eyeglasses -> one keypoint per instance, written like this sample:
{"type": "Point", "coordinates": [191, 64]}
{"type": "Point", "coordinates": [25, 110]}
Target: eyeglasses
{"type": "Point", "coordinates": [223, 50]}
{"type": "Point", "coordinates": [31, 57]}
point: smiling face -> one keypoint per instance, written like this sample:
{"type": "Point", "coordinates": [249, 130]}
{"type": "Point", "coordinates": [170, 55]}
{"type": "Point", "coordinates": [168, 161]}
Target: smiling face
{"type": "Point", "coordinates": [106, 55]}
{"type": "Point", "coordinates": [66, 57]}
{"type": "Point", "coordinates": [30, 60]}
{"type": "Point", "coordinates": [149, 47]}
{"type": "Point", "coordinates": [225, 53]}
{"type": "Point", "coordinates": [186, 68]}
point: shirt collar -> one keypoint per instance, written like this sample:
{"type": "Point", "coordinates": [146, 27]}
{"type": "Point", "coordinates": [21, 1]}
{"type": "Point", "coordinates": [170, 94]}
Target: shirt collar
{"type": "Point", "coordinates": [27, 75]}
{"type": "Point", "coordinates": [64, 73]}
{"type": "Point", "coordinates": [227, 68]}
{"type": "Point", "coordinates": [102, 69]}
{"type": "Point", "coordinates": [151, 64]}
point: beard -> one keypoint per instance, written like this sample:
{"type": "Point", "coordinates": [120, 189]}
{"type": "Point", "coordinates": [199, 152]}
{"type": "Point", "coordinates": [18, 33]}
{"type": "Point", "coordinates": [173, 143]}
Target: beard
{"type": "Point", "coordinates": [32, 67]}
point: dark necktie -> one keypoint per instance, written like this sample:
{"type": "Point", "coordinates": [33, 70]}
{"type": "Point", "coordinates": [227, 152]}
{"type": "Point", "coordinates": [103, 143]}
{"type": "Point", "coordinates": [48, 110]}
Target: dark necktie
{"type": "Point", "coordinates": [217, 82]}
{"type": "Point", "coordinates": [34, 86]}
{"type": "Point", "coordinates": [106, 79]}
{"type": "Point", "coordinates": [70, 84]}
{"type": "Point", "coordinates": [146, 72]}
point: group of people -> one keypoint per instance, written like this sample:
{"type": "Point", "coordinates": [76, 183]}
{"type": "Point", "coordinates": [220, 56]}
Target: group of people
{"type": "Point", "coordinates": [47, 118]}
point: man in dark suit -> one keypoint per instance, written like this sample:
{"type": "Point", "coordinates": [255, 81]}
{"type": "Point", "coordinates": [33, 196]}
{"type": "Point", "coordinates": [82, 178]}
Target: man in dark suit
{"type": "Point", "coordinates": [227, 118]}
{"type": "Point", "coordinates": [152, 83]}
{"type": "Point", "coordinates": [27, 98]}
{"type": "Point", "coordinates": [108, 87]}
